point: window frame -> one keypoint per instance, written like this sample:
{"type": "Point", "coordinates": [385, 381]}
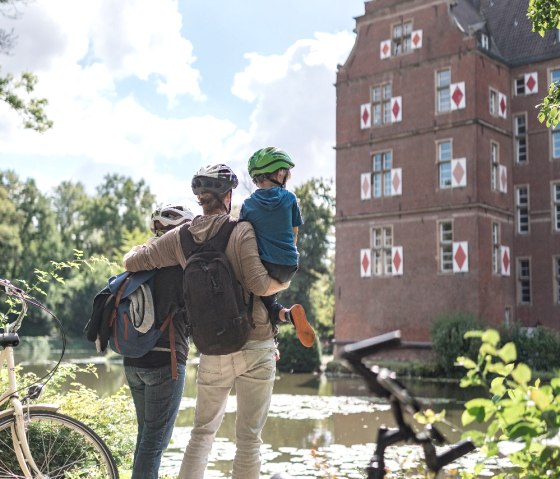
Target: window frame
{"type": "Point", "coordinates": [555, 206]}
{"type": "Point", "coordinates": [445, 246]}
{"type": "Point", "coordinates": [444, 164]}
{"type": "Point", "coordinates": [443, 89]}
{"type": "Point", "coordinates": [401, 44]}
{"type": "Point", "coordinates": [494, 165]}
{"type": "Point", "coordinates": [381, 104]}
{"type": "Point", "coordinates": [522, 210]}
{"type": "Point", "coordinates": [381, 251]}
{"type": "Point", "coordinates": [493, 98]}
{"type": "Point", "coordinates": [520, 139]}
{"type": "Point", "coordinates": [556, 278]}
{"type": "Point", "coordinates": [523, 280]}
{"type": "Point", "coordinates": [381, 177]}
{"type": "Point", "coordinates": [496, 248]}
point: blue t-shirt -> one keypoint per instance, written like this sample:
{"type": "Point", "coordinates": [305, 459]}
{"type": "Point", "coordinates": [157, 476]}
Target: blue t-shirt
{"type": "Point", "coordinates": [273, 212]}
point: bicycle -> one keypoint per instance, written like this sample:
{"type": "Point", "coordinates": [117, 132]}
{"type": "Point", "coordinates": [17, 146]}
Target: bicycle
{"type": "Point", "coordinates": [384, 383]}
{"type": "Point", "coordinates": [36, 441]}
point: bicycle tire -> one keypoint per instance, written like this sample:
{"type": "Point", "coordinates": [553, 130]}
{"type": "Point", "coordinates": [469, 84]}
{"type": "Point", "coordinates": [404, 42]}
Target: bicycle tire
{"type": "Point", "coordinates": [61, 447]}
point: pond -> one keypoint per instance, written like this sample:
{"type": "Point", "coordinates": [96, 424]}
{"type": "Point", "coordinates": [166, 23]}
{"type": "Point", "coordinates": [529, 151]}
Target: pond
{"type": "Point", "coordinates": [317, 427]}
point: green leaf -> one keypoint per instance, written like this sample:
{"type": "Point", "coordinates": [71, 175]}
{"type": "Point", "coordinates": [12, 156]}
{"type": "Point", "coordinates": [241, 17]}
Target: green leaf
{"type": "Point", "coordinates": [521, 374]}
{"type": "Point", "coordinates": [497, 386]}
{"type": "Point", "coordinates": [491, 336]}
{"type": "Point", "coordinates": [467, 363]}
{"type": "Point", "coordinates": [508, 353]}
{"type": "Point", "coordinates": [540, 398]}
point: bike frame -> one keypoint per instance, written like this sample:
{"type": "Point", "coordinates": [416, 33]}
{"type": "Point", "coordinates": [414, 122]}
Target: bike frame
{"type": "Point", "coordinates": [18, 410]}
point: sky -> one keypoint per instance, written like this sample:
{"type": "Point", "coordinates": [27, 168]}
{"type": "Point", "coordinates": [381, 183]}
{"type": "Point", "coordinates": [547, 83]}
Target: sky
{"type": "Point", "coordinates": [155, 90]}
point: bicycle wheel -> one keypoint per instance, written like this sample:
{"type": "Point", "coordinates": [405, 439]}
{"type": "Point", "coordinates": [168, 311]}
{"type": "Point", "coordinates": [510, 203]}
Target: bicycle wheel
{"type": "Point", "coordinates": [62, 447]}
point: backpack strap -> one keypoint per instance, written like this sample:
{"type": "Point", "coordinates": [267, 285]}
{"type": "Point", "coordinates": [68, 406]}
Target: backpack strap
{"type": "Point", "coordinates": [218, 242]}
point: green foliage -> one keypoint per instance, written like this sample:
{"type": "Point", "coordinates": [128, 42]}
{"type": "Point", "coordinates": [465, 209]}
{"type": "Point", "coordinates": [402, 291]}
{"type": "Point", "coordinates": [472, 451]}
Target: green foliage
{"type": "Point", "coordinates": [537, 347]}
{"type": "Point", "coordinates": [521, 417]}
{"type": "Point", "coordinates": [16, 93]}
{"type": "Point", "coordinates": [294, 357]}
{"type": "Point", "coordinates": [447, 332]}
{"type": "Point", "coordinates": [545, 16]}
{"type": "Point", "coordinates": [112, 417]}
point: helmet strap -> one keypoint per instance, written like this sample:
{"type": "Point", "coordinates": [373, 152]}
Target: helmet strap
{"type": "Point", "coordinates": [276, 182]}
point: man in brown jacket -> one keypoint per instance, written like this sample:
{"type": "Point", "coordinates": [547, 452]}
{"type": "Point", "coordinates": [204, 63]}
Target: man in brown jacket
{"type": "Point", "coordinates": [252, 370]}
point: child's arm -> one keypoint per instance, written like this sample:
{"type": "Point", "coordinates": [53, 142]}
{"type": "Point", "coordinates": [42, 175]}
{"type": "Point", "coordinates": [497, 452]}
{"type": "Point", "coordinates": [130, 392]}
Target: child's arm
{"type": "Point", "coordinates": [295, 229]}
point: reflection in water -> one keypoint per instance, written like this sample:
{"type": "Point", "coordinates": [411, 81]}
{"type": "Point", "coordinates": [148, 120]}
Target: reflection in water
{"type": "Point", "coordinates": [317, 427]}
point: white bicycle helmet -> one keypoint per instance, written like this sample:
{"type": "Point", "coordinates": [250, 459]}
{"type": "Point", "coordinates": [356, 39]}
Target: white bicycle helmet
{"type": "Point", "coordinates": [167, 217]}
{"type": "Point", "coordinates": [217, 179]}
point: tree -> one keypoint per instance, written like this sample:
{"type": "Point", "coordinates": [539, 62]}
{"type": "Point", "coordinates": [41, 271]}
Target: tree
{"type": "Point", "coordinates": [120, 205]}
{"type": "Point", "coordinates": [545, 16]}
{"type": "Point", "coordinates": [316, 202]}
{"type": "Point", "coordinates": [16, 92]}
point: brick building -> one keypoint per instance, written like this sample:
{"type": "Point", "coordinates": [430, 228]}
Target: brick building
{"type": "Point", "coordinates": [448, 186]}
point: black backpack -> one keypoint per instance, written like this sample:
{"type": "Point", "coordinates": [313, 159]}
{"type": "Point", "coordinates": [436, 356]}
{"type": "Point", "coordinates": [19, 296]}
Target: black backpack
{"type": "Point", "coordinates": [218, 317]}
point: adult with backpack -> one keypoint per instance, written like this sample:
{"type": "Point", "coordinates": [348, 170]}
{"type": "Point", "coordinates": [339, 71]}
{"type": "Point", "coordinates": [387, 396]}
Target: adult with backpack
{"type": "Point", "coordinates": [251, 369]}
{"type": "Point", "coordinates": [157, 379]}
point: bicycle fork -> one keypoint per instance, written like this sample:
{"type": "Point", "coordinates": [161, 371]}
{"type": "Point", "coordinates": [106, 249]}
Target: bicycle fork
{"type": "Point", "coordinates": [19, 436]}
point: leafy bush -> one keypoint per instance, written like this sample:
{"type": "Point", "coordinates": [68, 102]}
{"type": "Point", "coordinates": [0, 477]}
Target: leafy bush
{"type": "Point", "coordinates": [112, 417]}
{"type": "Point", "coordinates": [537, 347]}
{"type": "Point", "coordinates": [447, 332]}
{"type": "Point", "coordinates": [521, 419]}
{"type": "Point", "coordinates": [294, 357]}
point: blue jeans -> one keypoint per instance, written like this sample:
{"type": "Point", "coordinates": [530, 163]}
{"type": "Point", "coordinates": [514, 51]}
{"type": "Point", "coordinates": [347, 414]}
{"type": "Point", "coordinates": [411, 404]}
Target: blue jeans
{"type": "Point", "coordinates": [251, 371]}
{"type": "Point", "coordinates": [156, 398]}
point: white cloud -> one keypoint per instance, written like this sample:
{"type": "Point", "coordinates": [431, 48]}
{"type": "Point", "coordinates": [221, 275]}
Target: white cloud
{"type": "Point", "coordinates": [295, 100]}
{"type": "Point", "coordinates": [84, 51]}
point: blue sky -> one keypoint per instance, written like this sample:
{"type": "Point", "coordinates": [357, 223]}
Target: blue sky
{"type": "Point", "coordinates": [156, 92]}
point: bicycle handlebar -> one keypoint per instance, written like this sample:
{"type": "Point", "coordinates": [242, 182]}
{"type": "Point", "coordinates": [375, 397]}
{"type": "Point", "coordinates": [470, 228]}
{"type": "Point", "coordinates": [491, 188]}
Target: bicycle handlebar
{"type": "Point", "coordinates": [384, 383]}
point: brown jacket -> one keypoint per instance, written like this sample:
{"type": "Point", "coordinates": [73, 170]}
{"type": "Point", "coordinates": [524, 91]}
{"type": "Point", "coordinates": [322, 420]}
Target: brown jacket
{"type": "Point", "coordinates": [241, 251]}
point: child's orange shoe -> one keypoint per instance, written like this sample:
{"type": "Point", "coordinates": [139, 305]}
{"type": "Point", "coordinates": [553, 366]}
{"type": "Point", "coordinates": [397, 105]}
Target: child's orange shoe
{"type": "Point", "coordinates": [305, 332]}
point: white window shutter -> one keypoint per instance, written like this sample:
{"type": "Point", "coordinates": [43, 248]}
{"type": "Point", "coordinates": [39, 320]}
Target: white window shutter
{"type": "Point", "coordinates": [458, 96]}
{"type": "Point", "coordinates": [396, 181]}
{"type": "Point", "coordinates": [531, 83]}
{"type": "Point", "coordinates": [505, 260]}
{"type": "Point", "coordinates": [502, 178]}
{"type": "Point", "coordinates": [458, 172]}
{"type": "Point", "coordinates": [397, 260]}
{"type": "Point", "coordinates": [460, 257]}
{"type": "Point", "coordinates": [365, 263]}
{"type": "Point", "coordinates": [396, 109]}
{"type": "Point", "coordinates": [502, 105]}
{"type": "Point", "coordinates": [416, 39]}
{"type": "Point", "coordinates": [365, 186]}
{"type": "Point", "coordinates": [365, 116]}
{"type": "Point", "coordinates": [385, 49]}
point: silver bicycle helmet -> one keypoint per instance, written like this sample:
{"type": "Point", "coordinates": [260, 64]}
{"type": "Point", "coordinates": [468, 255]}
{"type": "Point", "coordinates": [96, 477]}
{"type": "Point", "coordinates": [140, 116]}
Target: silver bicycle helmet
{"type": "Point", "coordinates": [217, 179]}
{"type": "Point", "coordinates": [167, 217]}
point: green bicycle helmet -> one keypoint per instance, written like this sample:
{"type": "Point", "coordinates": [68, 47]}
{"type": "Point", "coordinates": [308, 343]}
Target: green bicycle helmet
{"type": "Point", "coordinates": [269, 160]}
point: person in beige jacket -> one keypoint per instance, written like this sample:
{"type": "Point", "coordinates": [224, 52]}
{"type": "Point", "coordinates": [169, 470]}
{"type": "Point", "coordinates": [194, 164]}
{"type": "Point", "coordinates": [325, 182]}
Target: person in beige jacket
{"type": "Point", "coordinates": [252, 369]}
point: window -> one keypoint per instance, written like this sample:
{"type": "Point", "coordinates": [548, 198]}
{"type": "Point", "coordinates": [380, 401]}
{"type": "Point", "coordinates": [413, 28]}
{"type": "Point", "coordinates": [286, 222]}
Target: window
{"type": "Point", "coordinates": [444, 163]}
{"type": "Point", "coordinates": [520, 122]}
{"type": "Point", "coordinates": [381, 104]}
{"type": "Point", "coordinates": [524, 281]}
{"type": "Point", "coordinates": [446, 246]}
{"type": "Point", "coordinates": [402, 33]}
{"type": "Point", "coordinates": [522, 209]}
{"type": "Point", "coordinates": [495, 248]}
{"type": "Point", "coordinates": [556, 205]}
{"type": "Point", "coordinates": [493, 105]}
{"type": "Point", "coordinates": [556, 269]}
{"type": "Point", "coordinates": [382, 240]}
{"type": "Point", "coordinates": [484, 43]}
{"type": "Point", "coordinates": [520, 86]}
{"type": "Point", "coordinates": [443, 81]}
{"type": "Point", "coordinates": [382, 164]}
{"type": "Point", "coordinates": [555, 78]}
{"type": "Point", "coordinates": [494, 165]}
